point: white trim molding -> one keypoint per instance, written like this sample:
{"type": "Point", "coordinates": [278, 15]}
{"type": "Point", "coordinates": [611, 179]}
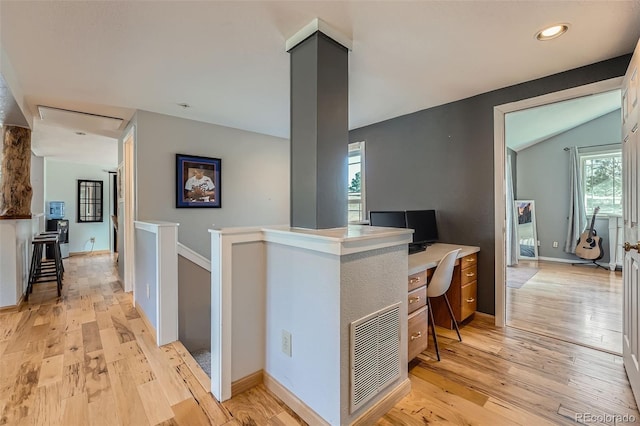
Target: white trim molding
{"type": "Point", "coordinates": [194, 257]}
{"type": "Point", "coordinates": [499, 149]}
{"type": "Point", "coordinates": [314, 26]}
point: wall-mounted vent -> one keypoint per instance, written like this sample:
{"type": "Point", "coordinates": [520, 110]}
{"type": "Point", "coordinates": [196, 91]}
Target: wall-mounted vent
{"type": "Point", "coordinates": [375, 354]}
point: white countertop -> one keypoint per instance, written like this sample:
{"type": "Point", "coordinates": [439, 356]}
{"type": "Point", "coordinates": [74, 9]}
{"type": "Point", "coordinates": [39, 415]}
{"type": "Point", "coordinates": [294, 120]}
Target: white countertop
{"type": "Point", "coordinates": [431, 256]}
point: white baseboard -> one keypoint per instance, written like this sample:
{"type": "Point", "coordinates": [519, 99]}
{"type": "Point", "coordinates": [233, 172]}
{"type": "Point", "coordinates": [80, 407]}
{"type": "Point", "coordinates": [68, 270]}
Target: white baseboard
{"type": "Point", "coordinates": [298, 406]}
{"type": "Point", "coordinates": [560, 260]}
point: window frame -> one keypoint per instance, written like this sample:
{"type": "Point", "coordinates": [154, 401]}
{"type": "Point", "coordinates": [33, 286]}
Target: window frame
{"type": "Point", "coordinates": [355, 148]}
{"type": "Point", "coordinates": [600, 153]}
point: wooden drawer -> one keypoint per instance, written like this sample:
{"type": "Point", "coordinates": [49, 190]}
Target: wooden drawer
{"type": "Point", "coordinates": [469, 300]}
{"type": "Point", "coordinates": [418, 336]}
{"type": "Point", "coordinates": [469, 260]}
{"type": "Point", "coordinates": [417, 280]}
{"type": "Point", "coordinates": [417, 299]}
{"type": "Point", "coordinates": [468, 275]}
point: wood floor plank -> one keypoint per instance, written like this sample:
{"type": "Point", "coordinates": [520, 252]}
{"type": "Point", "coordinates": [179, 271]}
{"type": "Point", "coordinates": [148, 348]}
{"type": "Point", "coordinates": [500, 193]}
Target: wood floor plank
{"type": "Point", "coordinates": [73, 381]}
{"type": "Point", "coordinates": [47, 410]}
{"type": "Point", "coordinates": [75, 410]}
{"type": "Point", "coordinates": [111, 344]}
{"type": "Point", "coordinates": [51, 370]}
{"type": "Point", "coordinates": [189, 413]}
{"type": "Point", "coordinates": [91, 337]}
{"type": "Point", "coordinates": [128, 402]}
{"type": "Point", "coordinates": [154, 402]}
{"type": "Point", "coordinates": [97, 380]}
{"type": "Point", "coordinates": [103, 411]}
{"type": "Point", "coordinates": [73, 349]}
{"type": "Point", "coordinates": [216, 412]}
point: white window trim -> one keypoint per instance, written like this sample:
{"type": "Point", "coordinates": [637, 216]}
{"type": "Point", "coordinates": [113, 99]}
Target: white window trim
{"type": "Point", "coordinates": [596, 153]}
{"type": "Point", "coordinates": [360, 146]}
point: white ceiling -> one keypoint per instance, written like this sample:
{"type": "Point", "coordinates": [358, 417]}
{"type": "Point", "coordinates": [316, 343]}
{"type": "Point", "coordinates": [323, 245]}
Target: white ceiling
{"type": "Point", "coordinates": [530, 126]}
{"type": "Point", "coordinates": [227, 58]}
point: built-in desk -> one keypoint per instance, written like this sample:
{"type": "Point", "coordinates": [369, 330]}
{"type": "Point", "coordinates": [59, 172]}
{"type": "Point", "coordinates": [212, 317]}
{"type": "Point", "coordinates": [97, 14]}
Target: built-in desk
{"type": "Point", "coordinates": [462, 292]}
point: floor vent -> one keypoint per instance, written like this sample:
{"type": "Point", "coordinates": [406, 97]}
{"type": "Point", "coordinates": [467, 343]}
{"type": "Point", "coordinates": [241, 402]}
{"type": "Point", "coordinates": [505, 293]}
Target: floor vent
{"type": "Point", "coordinates": [375, 354]}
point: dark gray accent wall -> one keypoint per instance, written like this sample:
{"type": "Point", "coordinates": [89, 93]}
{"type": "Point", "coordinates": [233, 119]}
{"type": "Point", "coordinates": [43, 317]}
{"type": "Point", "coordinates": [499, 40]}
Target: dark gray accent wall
{"type": "Point", "coordinates": [442, 158]}
{"type": "Point", "coordinates": [543, 176]}
{"type": "Point", "coordinates": [319, 133]}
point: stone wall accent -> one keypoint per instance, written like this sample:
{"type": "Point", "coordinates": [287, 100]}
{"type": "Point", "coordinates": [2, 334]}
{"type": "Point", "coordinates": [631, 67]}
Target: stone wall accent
{"type": "Point", "coordinates": [15, 191]}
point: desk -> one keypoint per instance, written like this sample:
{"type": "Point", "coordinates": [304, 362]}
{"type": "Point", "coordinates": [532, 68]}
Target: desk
{"type": "Point", "coordinates": [462, 293]}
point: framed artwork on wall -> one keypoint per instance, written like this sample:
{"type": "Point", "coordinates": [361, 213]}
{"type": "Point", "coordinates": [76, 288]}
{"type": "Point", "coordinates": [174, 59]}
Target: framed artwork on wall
{"type": "Point", "coordinates": [198, 182]}
{"type": "Point", "coordinates": [119, 182]}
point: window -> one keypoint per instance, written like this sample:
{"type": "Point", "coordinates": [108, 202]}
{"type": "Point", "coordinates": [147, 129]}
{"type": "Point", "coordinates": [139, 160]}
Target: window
{"type": "Point", "coordinates": [89, 200]}
{"type": "Point", "coordinates": [602, 180]}
{"type": "Point", "coordinates": [356, 207]}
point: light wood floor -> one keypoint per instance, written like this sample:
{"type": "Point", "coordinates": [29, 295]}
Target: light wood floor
{"type": "Point", "coordinates": [573, 303]}
{"type": "Point", "coordinates": [88, 359]}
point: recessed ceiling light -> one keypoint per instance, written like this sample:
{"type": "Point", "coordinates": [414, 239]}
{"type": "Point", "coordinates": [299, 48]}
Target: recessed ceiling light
{"type": "Point", "coordinates": [80, 133]}
{"type": "Point", "coordinates": [552, 32]}
{"type": "Point", "coordinates": [185, 106]}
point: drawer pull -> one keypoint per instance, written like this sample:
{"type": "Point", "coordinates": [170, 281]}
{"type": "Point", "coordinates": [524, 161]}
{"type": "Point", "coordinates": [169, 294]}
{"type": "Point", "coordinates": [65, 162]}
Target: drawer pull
{"type": "Point", "coordinates": [415, 336]}
{"type": "Point", "coordinates": [414, 280]}
{"type": "Point", "coordinates": [414, 299]}
{"type": "Point", "coordinates": [468, 259]}
{"type": "Point", "coordinates": [471, 300]}
{"type": "Point", "coordinates": [470, 274]}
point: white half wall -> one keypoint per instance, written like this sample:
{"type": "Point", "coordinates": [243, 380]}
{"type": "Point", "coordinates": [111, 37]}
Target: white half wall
{"type": "Point", "coordinates": [255, 176]}
{"type": "Point", "coordinates": [61, 184]}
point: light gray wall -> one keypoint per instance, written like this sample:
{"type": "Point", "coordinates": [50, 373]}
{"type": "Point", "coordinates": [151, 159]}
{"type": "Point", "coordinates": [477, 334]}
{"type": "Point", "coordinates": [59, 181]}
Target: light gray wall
{"type": "Point", "coordinates": [61, 184]}
{"type": "Point", "coordinates": [442, 158]}
{"type": "Point", "coordinates": [248, 317]}
{"type": "Point", "coordinates": [37, 184]}
{"type": "Point", "coordinates": [194, 305]}
{"type": "Point", "coordinates": [146, 250]}
{"type": "Point", "coordinates": [543, 176]}
{"type": "Point", "coordinates": [255, 176]}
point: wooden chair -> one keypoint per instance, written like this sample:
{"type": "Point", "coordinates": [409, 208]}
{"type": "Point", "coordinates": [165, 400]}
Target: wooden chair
{"type": "Point", "coordinates": [438, 286]}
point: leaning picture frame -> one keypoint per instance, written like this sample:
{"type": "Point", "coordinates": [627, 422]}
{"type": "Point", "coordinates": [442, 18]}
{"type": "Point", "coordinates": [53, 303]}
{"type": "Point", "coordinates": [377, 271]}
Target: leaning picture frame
{"type": "Point", "coordinates": [120, 182]}
{"type": "Point", "coordinates": [198, 181]}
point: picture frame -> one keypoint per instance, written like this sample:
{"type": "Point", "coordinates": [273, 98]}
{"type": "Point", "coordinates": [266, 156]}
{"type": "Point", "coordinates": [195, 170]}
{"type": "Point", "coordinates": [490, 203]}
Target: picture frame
{"type": "Point", "coordinates": [526, 231]}
{"type": "Point", "coordinates": [119, 182]}
{"type": "Point", "coordinates": [198, 181]}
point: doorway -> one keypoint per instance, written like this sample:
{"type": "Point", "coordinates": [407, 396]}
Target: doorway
{"type": "Point", "coordinates": [528, 292]}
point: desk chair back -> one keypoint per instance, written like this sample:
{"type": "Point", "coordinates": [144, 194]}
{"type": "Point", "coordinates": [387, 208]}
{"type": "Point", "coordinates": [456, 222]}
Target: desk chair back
{"type": "Point", "coordinates": [441, 279]}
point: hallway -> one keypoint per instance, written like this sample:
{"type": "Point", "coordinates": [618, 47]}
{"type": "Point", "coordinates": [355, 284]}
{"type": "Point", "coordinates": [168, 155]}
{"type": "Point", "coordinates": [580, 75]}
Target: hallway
{"type": "Point", "coordinates": [89, 359]}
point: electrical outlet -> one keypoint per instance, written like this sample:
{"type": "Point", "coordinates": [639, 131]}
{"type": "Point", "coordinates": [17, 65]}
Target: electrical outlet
{"type": "Point", "coordinates": [148, 291]}
{"type": "Point", "coordinates": [555, 244]}
{"type": "Point", "coordinates": [286, 343]}
{"type": "Point", "coordinates": [92, 239]}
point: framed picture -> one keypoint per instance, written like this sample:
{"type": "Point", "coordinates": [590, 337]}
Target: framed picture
{"type": "Point", "coordinates": [119, 182]}
{"type": "Point", "coordinates": [526, 231]}
{"type": "Point", "coordinates": [198, 181]}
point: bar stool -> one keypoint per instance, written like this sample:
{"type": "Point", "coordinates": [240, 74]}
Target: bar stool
{"type": "Point", "coordinates": [45, 270]}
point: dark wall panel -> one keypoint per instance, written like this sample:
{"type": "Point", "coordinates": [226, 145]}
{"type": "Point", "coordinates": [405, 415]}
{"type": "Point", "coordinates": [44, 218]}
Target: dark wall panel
{"type": "Point", "coordinates": [442, 158]}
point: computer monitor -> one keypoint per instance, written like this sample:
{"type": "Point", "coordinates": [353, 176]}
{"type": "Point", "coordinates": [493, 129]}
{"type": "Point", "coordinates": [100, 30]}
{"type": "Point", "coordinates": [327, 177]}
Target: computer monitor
{"type": "Point", "coordinates": [423, 222]}
{"type": "Point", "coordinates": [392, 219]}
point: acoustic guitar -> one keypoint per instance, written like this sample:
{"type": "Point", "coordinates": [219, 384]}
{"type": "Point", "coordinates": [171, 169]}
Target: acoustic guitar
{"type": "Point", "coordinates": [590, 245]}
